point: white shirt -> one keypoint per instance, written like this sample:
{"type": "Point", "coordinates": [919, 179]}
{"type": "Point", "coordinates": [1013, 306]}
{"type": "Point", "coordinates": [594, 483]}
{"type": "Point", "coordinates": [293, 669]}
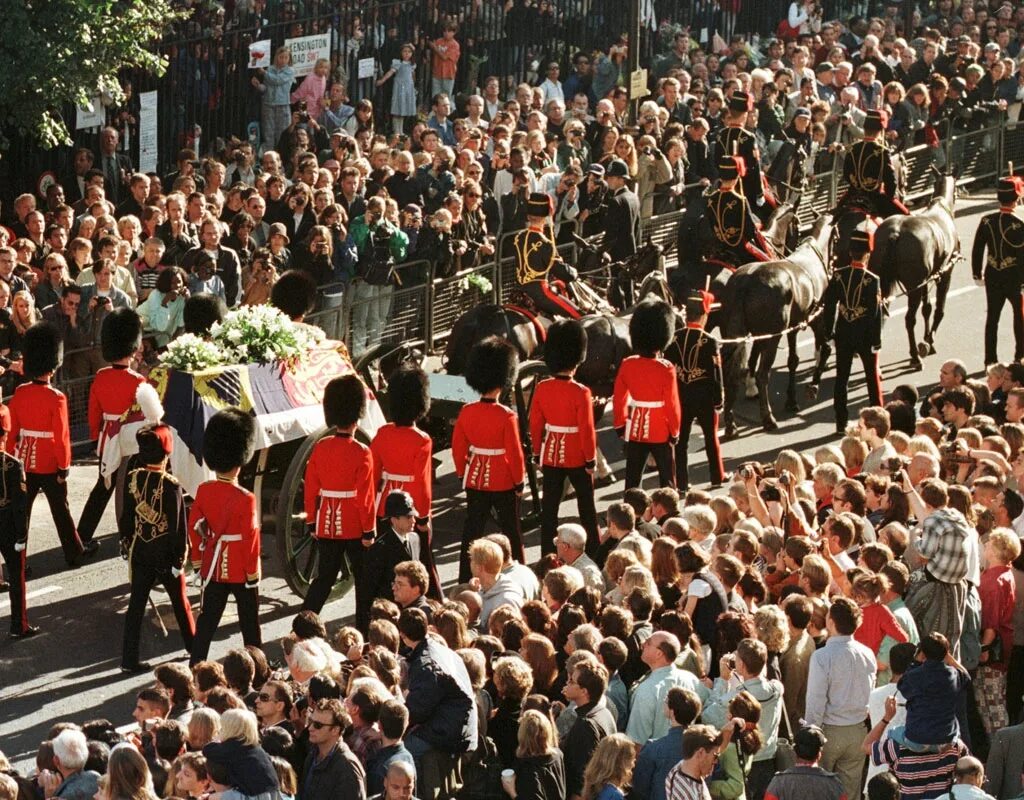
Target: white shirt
{"type": "Point", "coordinates": [876, 710]}
{"type": "Point", "coordinates": [552, 90]}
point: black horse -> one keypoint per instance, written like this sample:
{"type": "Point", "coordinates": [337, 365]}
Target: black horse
{"type": "Point", "coordinates": [617, 280]}
{"type": "Point", "coordinates": [695, 273]}
{"type": "Point", "coordinates": [765, 300]}
{"type": "Point", "coordinates": [912, 252]}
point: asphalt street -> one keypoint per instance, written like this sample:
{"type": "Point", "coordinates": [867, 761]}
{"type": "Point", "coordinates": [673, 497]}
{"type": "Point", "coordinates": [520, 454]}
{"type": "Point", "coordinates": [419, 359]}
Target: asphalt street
{"type": "Point", "coordinates": [70, 671]}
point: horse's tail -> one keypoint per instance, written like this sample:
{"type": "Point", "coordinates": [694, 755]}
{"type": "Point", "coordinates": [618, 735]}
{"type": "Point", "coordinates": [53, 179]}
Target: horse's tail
{"type": "Point", "coordinates": [889, 251]}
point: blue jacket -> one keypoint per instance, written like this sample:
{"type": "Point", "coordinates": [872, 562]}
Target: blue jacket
{"type": "Point", "coordinates": [931, 689]}
{"type": "Point", "coordinates": [441, 701]}
{"type": "Point", "coordinates": [656, 758]}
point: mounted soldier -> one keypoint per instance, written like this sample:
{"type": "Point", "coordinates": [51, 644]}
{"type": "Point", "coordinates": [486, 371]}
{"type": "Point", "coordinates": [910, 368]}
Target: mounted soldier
{"type": "Point", "coordinates": [870, 170]}
{"type": "Point", "coordinates": [732, 235]}
{"type": "Point", "coordinates": [735, 140]}
{"type": "Point", "coordinates": [539, 268]}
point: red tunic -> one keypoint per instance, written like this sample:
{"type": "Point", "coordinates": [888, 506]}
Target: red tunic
{"type": "Point", "coordinates": [562, 423]}
{"type": "Point", "coordinates": [402, 460]}
{"type": "Point", "coordinates": [339, 487]}
{"type": "Point", "coordinates": [646, 401]}
{"type": "Point", "coordinates": [229, 551]}
{"type": "Point", "coordinates": [39, 434]}
{"type": "Point", "coordinates": [111, 395]}
{"type": "Point", "coordinates": [486, 448]}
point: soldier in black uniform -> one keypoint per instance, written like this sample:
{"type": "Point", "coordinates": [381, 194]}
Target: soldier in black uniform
{"type": "Point", "coordinates": [731, 232]}
{"type": "Point", "coordinates": [695, 355]}
{"type": "Point", "coordinates": [538, 262]}
{"type": "Point", "coordinates": [869, 170]}
{"type": "Point", "coordinates": [1002, 273]}
{"type": "Point", "coordinates": [735, 140]}
{"type": "Point", "coordinates": [14, 530]}
{"type": "Point", "coordinates": [853, 317]}
{"type": "Point", "coordinates": [154, 541]}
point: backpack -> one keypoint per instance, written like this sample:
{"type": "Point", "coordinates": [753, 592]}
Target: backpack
{"type": "Point", "coordinates": [481, 773]}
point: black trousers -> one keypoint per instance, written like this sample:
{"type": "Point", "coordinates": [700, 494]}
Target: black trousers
{"type": "Point", "coordinates": [56, 492]}
{"type": "Point", "coordinates": [332, 555]}
{"type": "Point", "coordinates": [997, 295]}
{"type": "Point", "coordinates": [636, 459]}
{"type": "Point", "coordinates": [15, 562]}
{"type": "Point", "coordinates": [553, 482]}
{"type": "Point", "coordinates": [95, 505]}
{"type": "Point", "coordinates": [704, 414]}
{"type": "Point", "coordinates": [144, 578]}
{"type": "Point", "coordinates": [479, 505]}
{"type": "Point", "coordinates": [1014, 684]}
{"type": "Point", "coordinates": [215, 599]}
{"type": "Point", "coordinates": [844, 365]}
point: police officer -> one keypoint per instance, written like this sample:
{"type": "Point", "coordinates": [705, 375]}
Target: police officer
{"type": "Point", "coordinates": [154, 541]}
{"type": "Point", "coordinates": [399, 542]}
{"type": "Point", "coordinates": [698, 365]}
{"type": "Point", "coordinates": [224, 532]}
{"type": "Point", "coordinates": [1002, 272]}
{"type": "Point", "coordinates": [14, 530]}
{"type": "Point", "coordinates": [562, 430]}
{"type": "Point", "coordinates": [621, 221]}
{"type": "Point", "coordinates": [853, 317]}
{"type": "Point", "coordinates": [645, 401]}
{"type": "Point", "coordinates": [538, 262]}
{"type": "Point", "coordinates": [869, 170]}
{"type": "Point", "coordinates": [735, 140]}
{"type": "Point", "coordinates": [340, 497]}
{"type": "Point", "coordinates": [111, 394]}
{"type": "Point", "coordinates": [403, 458]}
{"type": "Point", "coordinates": [487, 451]}
{"type": "Point", "coordinates": [732, 235]}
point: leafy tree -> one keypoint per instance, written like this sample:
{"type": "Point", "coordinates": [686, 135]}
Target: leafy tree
{"type": "Point", "coordinates": [56, 53]}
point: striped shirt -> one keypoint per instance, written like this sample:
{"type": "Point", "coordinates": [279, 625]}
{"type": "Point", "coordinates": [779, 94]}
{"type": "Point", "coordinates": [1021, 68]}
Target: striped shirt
{"type": "Point", "coordinates": [680, 786]}
{"type": "Point", "coordinates": [922, 776]}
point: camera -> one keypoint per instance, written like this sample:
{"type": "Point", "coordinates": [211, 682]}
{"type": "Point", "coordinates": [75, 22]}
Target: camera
{"type": "Point", "coordinates": [894, 464]}
{"type": "Point", "coordinates": [954, 454]}
{"type": "Point", "coordinates": [785, 479]}
{"type": "Point", "coordinates": [771, 494]}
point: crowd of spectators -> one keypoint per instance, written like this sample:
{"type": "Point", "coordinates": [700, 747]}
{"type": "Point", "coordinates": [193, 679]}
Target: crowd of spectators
{"type": "Point", "coordinates": [842, 621]}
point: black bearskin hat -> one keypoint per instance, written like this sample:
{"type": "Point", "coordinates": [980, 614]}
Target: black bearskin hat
{"type": "Point", "coordinates": [294, 294]}
{"type": "Point", "coordinates": [492, 364]}
{"type": "Point", "coordinates": [565, 346]}
{"type": "Point", "coordinates": [344, 401]}
{"type": "Point", "coordinates": [652, 327]}
{"type": "Point", "coordinates": [230, 440]}
{"type": "Point", "coordinates": [121, 334]}
{"type": "Point", "coordinates": [42, 349]}
{"type": "Point", "coordinates": [201, 311]}
{"type": "Point", "coordinates": [408, 394]}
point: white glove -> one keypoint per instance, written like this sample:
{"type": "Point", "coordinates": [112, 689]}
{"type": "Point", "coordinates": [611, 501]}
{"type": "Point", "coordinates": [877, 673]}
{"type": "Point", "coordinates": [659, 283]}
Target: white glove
{"type": "Point", "coordinates": [979, 281]}
{"type": "Point", "coordinates": [19, 547]}
{"type": "Point", "coordinates": [175, 572]}
{"type": "Point", "coordinates": [760, 202]}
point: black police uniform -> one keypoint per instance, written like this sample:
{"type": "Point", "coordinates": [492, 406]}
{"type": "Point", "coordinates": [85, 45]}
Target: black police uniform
{"type": "Point", "coordinates": [154, 540]}
{"type": "Point", "coordinates": [14, 537]}
{"type": "Point", "coordinates": [741, 142]}
{"type": "Point", "coordinates": [731, 232]}
{"type": "Point", "coordinates": [853, 317]}
{"type": "Point", "coordinates": [1002, 234]}
{"type": "Point", "coordinates": [695, 355]}
{"type": "Point", "coordinates": [537, 262]}
{"type": "Point", "coordinates": [869, 170]}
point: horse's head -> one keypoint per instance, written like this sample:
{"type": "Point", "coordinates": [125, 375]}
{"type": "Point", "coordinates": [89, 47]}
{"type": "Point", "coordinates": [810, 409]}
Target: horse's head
{"type": "Point", "coordinates": [945, 188]}
{"type": "Point", "coordinates": [649, 258]}
{"type": "Point", "coordinates": [590, 257]}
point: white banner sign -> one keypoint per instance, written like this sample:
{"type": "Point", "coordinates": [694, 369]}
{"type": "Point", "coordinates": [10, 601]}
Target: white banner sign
{"type": "Point", "coordinates": [306, 50]}
{"type": "Point", "coordinates": [91, 115]}
{"type": "Point", "coordinates": [259, 54]}
{"type": "Point", "coordinates": [367, 67]}
{"type": "Point", "coordinates": [147, 131]}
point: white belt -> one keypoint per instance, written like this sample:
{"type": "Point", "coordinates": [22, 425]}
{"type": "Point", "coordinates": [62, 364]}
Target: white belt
{"type": "Point", "coordinates": [30, 434]}
{"type": "Point", "coordinates": [647, 403]}
{"type": "Point", "coordinates": [483, 451]}
{"type": "Point", "coordinates": [392, 477]}
{"type": "Point", "coordinates": [111, 417]}
{"type": "Point", "coordinates": [231, 537]}
{"type": "Point", "coordinates": [562, 429]}
{"type": "Point", "coordinates": [339, 495]}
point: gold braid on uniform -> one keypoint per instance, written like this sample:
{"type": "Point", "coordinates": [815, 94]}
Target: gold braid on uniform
{"type": "Point", "coordinates": [851, 309]}
{"type": "Point", "coordinates": [149, 511]}
{"type": "Point", "coordinates": [688, 364]}
{"type": "Point", "coordinates": [4, 501]}
{"type": "Point", "coordinates": [1001, 262]}
{"type": "Point", "coordinates": [860, 161]}
{"type": "Point", "coordinates": [524, 272]}
{"type": "Point", "coordinates": [725, 234]}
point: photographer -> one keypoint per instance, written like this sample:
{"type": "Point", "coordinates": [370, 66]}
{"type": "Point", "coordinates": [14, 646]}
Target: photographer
{"type": "Point", "coordinates": [315, 255]}
{"type": "Point", "coordinates": [653, 168]}
{"type": "Point", "coordinates": [773, 502]}
{"type": "Point", "coordinates": [804, 17]}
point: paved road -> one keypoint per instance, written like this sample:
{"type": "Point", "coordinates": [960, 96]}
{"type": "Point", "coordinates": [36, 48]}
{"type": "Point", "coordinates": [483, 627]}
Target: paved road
{"type": "Point", "coordinates": [70, 671]}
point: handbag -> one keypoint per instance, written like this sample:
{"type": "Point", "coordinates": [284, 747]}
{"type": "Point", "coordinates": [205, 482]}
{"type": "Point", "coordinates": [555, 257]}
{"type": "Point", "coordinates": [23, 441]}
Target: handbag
{"type": "Point", "coordinates": [785, 755]}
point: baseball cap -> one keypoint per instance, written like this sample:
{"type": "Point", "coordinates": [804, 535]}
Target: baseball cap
{"type": "Point", "coordinates": [809, 742]}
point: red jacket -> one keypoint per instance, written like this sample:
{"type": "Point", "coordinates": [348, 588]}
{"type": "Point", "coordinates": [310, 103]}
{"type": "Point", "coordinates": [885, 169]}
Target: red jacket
{"type": "Point", "coordinates": [402, 460]}
{"type": "Point", "coordinates": [112, 393]}
{"type": "Point", "coordinates": [562, 423]}
{"type": "Point", "coordinates": [486, 449]}
{"type": "Point", "coordinates": [646, 400]}
{"type": "Point", "coordinates": [229, 550]}
{"type": "Point", "coordinates": [339, 490]}
{"type": "Point", "coordinates": [39, 434]}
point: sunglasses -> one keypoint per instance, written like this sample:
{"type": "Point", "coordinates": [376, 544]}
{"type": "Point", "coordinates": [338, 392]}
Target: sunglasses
{"type": "Point", "coordinates": [264, 697]}
{"type": "Point", "coordinates": [319, 726]}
